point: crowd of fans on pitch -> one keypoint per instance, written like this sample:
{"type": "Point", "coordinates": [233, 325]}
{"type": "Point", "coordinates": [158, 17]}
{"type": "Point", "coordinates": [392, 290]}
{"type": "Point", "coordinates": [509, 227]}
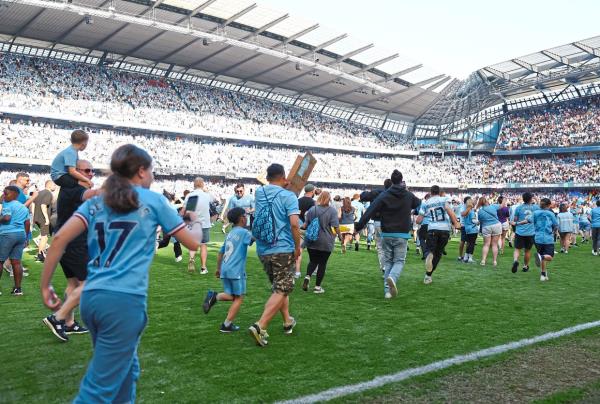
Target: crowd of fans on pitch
{"type": "Point", "coordinates": [564, 125]}
{"type": "Point", "coordinates": [96, 92]}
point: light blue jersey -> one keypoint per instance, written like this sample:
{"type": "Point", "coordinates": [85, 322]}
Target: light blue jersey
{"type": "Point", "coordinates": [471, 223]}
{"type": "Point", "coordinates": [425, 221]}
{"type": "Point", "coordinates": [488, 215]}
{"type": "Point", "coordinates": [458, 212]}
{"type": "Point", "coordinates": [583, 217]}
{"type": "Point", "coordinates": [121, 246]}
{"type": "Point", "coordinates": [63, 160]}
{"type": "Point", "coordinates": [234, 250]}
{"type": "Point", "coordinates": [359, 209]}
{"type": "Point", "coordinates": [512, 211]}
{"type": "Point", "coordinates": [544, 222]}
{"type": "Point", "coordinates": [245, 202]}
{"type": "Point", "coordinates": [284, 204]}
{"type": "Point", "coordinates": [435, 209]}
{"type": "Point", "coordinates": [566, 222]}
{"type": "Point", "coordinates": [18, 213]}
{"type": "Point", "coordinates": [522, 213]}
{"type": "Point", "coordinates": [595, 217]}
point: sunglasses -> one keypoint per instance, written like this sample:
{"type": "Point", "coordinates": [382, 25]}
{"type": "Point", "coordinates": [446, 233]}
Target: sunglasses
{"type": "Point", "coordinates": [88, 171]}
{"type": "Point", "coordinates": [241, 191]}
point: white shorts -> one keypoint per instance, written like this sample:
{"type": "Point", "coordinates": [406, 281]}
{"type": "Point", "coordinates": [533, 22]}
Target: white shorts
{"type": "Point", "coordinates": [492, 230]}
{"type": "Point", "coordinates": [505, 226]}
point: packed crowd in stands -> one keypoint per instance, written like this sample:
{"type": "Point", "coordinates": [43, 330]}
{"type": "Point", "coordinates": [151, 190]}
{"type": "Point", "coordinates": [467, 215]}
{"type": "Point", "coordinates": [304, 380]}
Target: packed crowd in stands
{"type": "Point", "coordinates": [101, 93]}
{"type": "Point", "coordinates": [564, 125]}
{"type": "Point", "coordinates": [195, 156]}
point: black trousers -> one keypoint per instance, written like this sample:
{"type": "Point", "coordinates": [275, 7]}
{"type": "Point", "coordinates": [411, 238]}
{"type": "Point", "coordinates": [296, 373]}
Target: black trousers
{"type": "Point", "coordinates": [436, 242]}
{"type": "Point", "coordinates": [176, 246]}
{"type": "Point", "coordinates": [471, 238]}
{"type": "Point", "coordinates": [422, 235]}
{"type": "Point", "coordinates": [318, 261]}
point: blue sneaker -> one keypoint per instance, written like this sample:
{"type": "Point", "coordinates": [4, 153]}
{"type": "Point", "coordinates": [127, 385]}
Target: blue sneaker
{"type": "Point", "coordinates": [227, 329]}
{"type": "Point", "coordinates": [209, 301]}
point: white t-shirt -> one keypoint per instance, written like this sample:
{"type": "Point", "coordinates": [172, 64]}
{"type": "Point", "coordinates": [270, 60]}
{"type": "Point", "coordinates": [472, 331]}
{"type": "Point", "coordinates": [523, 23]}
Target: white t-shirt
{"type": "Point", "coordinates": [198, 201]}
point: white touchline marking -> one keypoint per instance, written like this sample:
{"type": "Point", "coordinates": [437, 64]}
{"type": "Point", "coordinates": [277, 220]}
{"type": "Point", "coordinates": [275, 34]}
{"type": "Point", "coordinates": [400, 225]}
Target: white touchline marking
{"type": "Point", "coordinates": [379, 381]}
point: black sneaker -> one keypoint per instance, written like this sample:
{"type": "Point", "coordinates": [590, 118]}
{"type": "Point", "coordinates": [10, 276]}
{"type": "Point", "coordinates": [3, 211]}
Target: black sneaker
{"type": "Point", "coordinates": [209, 301]}
{"type": "Point", "coordinates": [444, 252]}
{"type": "Point", "coordinates": [227, 329]}
{"type": "Point", "coordinates": [75, 329]}
{"type": "Point", "coordinates": [368, 247]}
{"type": "Point", "coordinates": [355, 246]}
{"type": "Point", "coordinates": [305, 283]}
{"type": "Point", "coordinates": [288, 329]}
{"type": "Point", "coordinates": [57, 327]}
{"type": "Point", "coordinates": [526, 269]}
{"type": "Point", "coordinates": [17, 292]}
{"type": "Point", "coordinates": [40, 257]}
{"type": "Point", "coordinates": [510, 244]}
{"type": "Point", "coordinates": [515, 267]}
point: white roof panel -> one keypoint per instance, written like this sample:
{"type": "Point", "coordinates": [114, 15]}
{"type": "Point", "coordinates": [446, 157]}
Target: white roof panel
{"type": "Point", "coordinates": [347, 45]}
{"type": "Point", "coordinates": [226, 8]}
{"type": "Point", "coordinates": [372, 55]}
{"type": "Point", "coordinates": [291, 26]}
{"type": "Point", "coordinates": [320, 35]}
{"type": "Point", "coordinates": [260, 16]}
{"type": "Point", "coordinates": [397, 65]}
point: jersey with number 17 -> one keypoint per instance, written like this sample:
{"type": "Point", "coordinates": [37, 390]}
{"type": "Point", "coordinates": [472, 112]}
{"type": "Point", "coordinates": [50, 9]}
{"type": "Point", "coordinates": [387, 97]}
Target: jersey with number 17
{"type": "Point", "coordinates": [435, 209]}
{"type": "Point", "coordinates": [121, 245]}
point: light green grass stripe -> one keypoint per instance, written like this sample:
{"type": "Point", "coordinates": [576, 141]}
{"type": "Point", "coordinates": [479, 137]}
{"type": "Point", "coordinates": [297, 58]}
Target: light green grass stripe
{"type": "Point", "coordinates": [379, 381]}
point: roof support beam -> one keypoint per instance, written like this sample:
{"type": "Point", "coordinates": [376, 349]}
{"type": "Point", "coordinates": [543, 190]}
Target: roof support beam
{"type": "Point", "coordinates": [23, 27]}
{"type": "Point", "coordinates": [338, 60]}
{"type": "Point", "coordinates": [257, 32]}
{"type": "Point", "coordinates": [200, 8]}
{"type": "Point", "coordinates": [238, 15]}
{"type": "Point", "coordinates": [415, 85]}
{"type": "Point", "coordinates": [497, 73]}
{"type": "Point", "coordinates": [433, 87]}
{"type": "Point", "coordinates": [316, 49]}
{"type": "Point", "coordinates": [560, 59]}
{"type": "Point", "coordinates": [385, 80]}
{"type": "Point", "coordinates": [301, 33]}
{"type": "Point", "coordinates": [587, 48]}
{"type": "Point", "coordinates": [527, 66]}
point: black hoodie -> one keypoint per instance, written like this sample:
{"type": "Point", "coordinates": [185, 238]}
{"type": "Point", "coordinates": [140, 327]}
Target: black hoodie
{"type": "Point", "coordinates": [394, 207]}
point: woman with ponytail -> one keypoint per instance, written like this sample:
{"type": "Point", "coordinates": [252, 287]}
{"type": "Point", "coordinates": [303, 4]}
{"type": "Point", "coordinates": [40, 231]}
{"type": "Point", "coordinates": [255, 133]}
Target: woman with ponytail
{"type": "Point", "coordinates": [121, 225]}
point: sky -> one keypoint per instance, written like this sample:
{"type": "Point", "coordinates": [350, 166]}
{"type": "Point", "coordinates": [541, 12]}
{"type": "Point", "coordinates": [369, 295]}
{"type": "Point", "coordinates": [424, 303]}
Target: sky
{"type": "Point", "coordinates": [454, 37]}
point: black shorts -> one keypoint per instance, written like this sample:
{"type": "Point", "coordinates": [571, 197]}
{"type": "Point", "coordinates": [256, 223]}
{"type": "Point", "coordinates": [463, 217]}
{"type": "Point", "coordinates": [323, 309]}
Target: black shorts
{"type": "Point", "coordinates": [463, 234]}
{"type": "Point", "coordinates": [514, 227]}
{"type": "Point", "coordinates": [524, 242]}
{"type": "Point", "coordinates": [545, 249]}
{"type": "Point", "coordinates": [74, 261]}
{"type": "Point", "coordinates": [44, 228]}
{"type": "Point", "coordinates": [66, 181]}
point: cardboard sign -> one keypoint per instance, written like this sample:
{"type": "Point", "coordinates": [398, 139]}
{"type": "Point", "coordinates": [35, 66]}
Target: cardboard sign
{"type": "Point", "coordinates": [300, 171]}
{"type": "Point", "coordinates": [298, 174]}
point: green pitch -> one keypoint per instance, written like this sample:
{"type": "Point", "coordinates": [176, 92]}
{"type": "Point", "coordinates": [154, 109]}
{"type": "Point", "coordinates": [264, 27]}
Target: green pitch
{"type": "Point", "coordinates": [347, 335]}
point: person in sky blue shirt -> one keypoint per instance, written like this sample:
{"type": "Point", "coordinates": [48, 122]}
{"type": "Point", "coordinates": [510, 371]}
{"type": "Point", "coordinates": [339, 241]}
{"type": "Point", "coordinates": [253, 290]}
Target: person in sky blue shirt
{"type": "Point", "coordinates": [239, 200]}
{"type": "Point", "coordinates": [14, 225]}
{"type": "Point", "coordinates": [544, 222]}
{"type": "Point", "coordinates": [595, 221]}
{"type": "Point", "coordinates": [122, 225]}
{"type": "Point", "coordinates": [566, 227]}
{"type": "Point", "coordinates": [231, 268]}
{"type": "Point", "coordinates": [524, 231]}
{"type": "Point", "coordinates": [491, 228]}
{"type": "Point", "coordinates": [422, 231]}
{"type": "Point", "coordinates": [63, 169]}
{"type": "Point", "coordinates": [278, 256]}
{"type": "Point", "coordinates": [470, 226]}
{"type": "Point", "coordinates": [584, 223]}
{"type": "Point", "coordinates": [575, 212]}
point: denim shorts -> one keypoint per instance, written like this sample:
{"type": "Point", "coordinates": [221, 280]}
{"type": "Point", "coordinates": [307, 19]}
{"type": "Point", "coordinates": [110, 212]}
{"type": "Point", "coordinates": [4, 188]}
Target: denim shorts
{"type": "Point", "coordinates": [234, 287]}
{"type": "Point", "coordinates": [11, 246]}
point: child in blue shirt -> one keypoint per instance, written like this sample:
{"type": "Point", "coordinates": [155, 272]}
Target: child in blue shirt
{"type": "Point", "coordinates": [63, 170]}
{"type": "Point", "coordinates": [231, 268]}
{"type": "Point", "coordinates": [566, 227]}
{"type": "Point", "coordinates": [544, 222]}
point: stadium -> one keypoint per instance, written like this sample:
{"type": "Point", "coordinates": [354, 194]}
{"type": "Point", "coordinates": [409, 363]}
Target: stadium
{"type": "Point", "coordinates": [216, 92]}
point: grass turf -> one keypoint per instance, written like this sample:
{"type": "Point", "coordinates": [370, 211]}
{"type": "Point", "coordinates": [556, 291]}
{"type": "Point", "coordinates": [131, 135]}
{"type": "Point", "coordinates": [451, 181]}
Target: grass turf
{"type": "Point", "coordinates": [347, 335]}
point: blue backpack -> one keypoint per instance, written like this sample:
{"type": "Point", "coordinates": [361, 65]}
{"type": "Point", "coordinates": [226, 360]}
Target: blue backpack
{"type": "Point", "coordinates": [312, 231]}
{"type": "Point", "coordinates": [263, 227]}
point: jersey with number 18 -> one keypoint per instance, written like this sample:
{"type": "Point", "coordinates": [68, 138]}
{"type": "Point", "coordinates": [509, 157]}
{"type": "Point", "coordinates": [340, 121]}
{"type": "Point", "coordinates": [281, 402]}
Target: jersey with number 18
{"type": "Point", "coordinates": [121, 246]}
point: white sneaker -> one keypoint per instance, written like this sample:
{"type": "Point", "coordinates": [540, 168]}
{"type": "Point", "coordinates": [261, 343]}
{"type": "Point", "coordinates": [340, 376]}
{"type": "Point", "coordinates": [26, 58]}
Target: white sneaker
{"type": "Point", "coordinates": [538, 260]}
{"type": "Point", "coordinates": [429, 263]}
{"type": "Point", "coordinates": [427, 280]}
{"type": "Point", "coordinates": [594, 252]}
{"type": "Point", "coordinates": [392, 285]}
{"type": "Point", "coordinates": [543, 278]}
{"type": "Point", "coordinates": [203, 271]}
{"type": "Point", "coordinates": [469, 261]}
{"type": "Point", "coordinates": [297, 275]}
{"type": "Point", "coordinates": [318, 290]}
{"type": "Point", "coordinates": [178, 259]}
{"type": "Point", "coordinates": [388, 295]}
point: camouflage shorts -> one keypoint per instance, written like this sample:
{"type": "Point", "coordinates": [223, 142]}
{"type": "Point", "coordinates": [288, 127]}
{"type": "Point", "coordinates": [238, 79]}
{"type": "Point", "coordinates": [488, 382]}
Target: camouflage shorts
{"type": "Point", "coordinates": [280, 268]}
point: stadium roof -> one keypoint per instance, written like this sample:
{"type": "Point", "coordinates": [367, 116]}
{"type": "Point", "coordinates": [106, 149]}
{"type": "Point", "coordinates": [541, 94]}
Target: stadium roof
{"type": "Point", "coordinates": [235, 41]}
{"type": "Point", "coordinates": [544, 74]}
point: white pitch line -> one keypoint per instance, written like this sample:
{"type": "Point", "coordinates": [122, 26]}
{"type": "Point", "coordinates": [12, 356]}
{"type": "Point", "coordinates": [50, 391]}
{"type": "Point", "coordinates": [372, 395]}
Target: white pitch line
{"type": "Point", "coordinates": [379, 381]}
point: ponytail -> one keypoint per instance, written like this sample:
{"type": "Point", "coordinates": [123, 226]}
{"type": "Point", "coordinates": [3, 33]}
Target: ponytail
{"type": "Point", "coordinates": [125, 163]}
{"type": "Point", "coordinates": [119, 195]}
